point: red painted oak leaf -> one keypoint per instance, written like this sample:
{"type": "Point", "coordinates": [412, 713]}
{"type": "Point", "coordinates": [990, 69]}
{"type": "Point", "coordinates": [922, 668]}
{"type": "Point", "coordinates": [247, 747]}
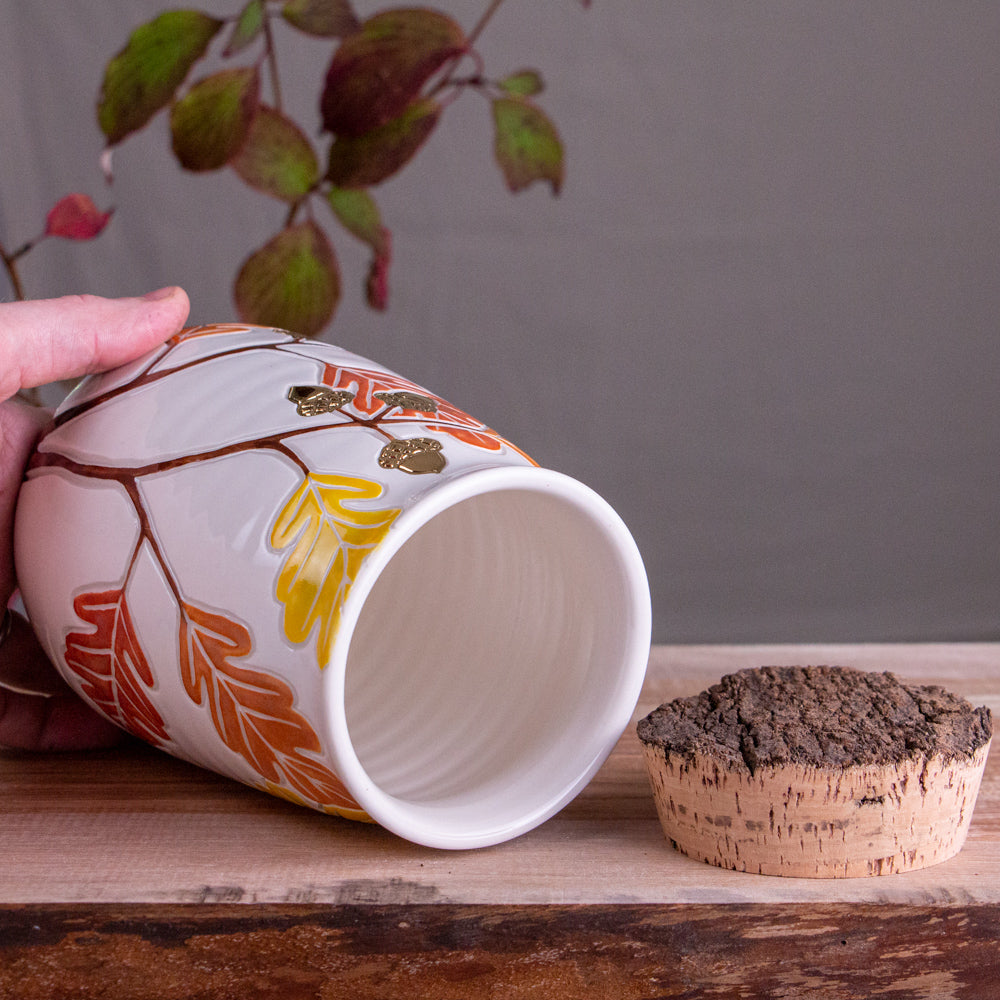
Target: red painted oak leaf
{"type": "Point", "coordinates": [111, 665]}
{"type": "Point", "coordinates": [446, 419]}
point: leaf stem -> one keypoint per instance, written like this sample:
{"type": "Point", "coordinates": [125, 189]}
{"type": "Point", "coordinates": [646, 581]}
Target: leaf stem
{"type": "Point", "coordinates": [10, 266]}
{"type": "Point", "coordinates": [272, 62]}
{"type": "Point", "coordinates": [476, 79]}
{"type": "Point", "coordinates": [487, 16]}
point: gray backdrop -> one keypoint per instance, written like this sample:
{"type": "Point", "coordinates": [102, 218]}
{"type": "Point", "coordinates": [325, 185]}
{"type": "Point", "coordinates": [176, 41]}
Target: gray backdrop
{"type": "Point", "coordinates": [761, 319]}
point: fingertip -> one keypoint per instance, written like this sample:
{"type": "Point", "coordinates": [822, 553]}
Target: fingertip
{"type": "Point", "coordinates": [142, 323]}
{"type": "Point", "coordinates": [46, 340]}
{"type": "Point", "coordinates": [160, 294]}
{"type": "Point", "coordinates": [172, 302]}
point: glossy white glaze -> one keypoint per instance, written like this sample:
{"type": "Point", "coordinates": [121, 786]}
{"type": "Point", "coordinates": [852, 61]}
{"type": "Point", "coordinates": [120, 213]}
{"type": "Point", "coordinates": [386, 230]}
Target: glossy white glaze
{"type": "Point", "coordinates": [452, 653]}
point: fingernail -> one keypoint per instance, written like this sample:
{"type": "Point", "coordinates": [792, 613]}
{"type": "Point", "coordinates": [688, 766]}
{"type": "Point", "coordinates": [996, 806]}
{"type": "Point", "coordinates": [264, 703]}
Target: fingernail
{"type": "Point", "coordinates": [159, 294]}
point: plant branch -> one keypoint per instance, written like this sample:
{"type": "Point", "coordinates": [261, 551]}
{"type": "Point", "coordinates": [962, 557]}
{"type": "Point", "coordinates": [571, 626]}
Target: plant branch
{"type": "Point", "coordinates": [476, 79]}
{"type": "Point", "coordinates": [10, 266]}
{"type": "Point", "coordinates": [483, 21]}
{"type": "Point", "coordinates": [272, 62]}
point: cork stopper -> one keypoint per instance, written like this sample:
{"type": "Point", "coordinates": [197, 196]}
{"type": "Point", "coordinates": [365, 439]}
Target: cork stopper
{"type": "Point", "coordinates": [816, 771]}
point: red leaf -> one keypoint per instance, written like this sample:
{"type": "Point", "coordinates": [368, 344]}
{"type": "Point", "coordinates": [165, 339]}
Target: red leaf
{"type": "Point", "coordinates": [322, 18]}
{"type": "Point", "coordinates": [365, 160]}
{"type": "Point", "coordinates": [379, 71]}
{"type": "Point", "coordinates": [76, 217]}
{"type": "Point", "coordinates": [253, 711]}
{"type": "Point", "coordinates": [377, 283]}
{"type": "Point", "coordinates": [112, 666]}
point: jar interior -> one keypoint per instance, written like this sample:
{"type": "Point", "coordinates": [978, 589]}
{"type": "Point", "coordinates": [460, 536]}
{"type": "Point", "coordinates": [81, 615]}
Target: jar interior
{"type": "Point", "coordinates": [489, 672]}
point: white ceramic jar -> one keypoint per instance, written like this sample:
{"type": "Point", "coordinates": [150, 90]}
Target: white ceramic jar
{"type": "Point", "coordinates": [285, 563]}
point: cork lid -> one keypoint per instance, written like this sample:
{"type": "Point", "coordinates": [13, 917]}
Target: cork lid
{"type": "Point", "coordinates": [816, 772]}
{"type": "Point", "coordinates": [822, 716]}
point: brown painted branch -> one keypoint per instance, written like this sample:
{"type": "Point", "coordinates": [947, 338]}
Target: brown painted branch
{"type": "Point", "coordinates": [147, 378]}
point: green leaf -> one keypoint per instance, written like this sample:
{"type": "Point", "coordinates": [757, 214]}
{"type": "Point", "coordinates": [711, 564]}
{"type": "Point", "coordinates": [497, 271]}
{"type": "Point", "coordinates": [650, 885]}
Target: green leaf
{"type": "Point", "coordinates": [524, 83]}
{"type": "Point", "coordinates": [526, 144]}
{"type": "Point", "coordinates": [292, 282]}
{"type": "Point", "coordinates": [276, 157]}
{"type": "Point", "coordinates": [379, 71]}
{"type": "Point", "coordinates": [369, 159]}
{"type": "Point", "coordinates": [249, 27]}
{"type": "Point", "coordinates": [359, 215]}
{"type": "Point", "coordinates": [143, 77]}
{"type": "Point", "coordinates": [325, 18]}
{"type": "Point", "coordinates": [211, 121]}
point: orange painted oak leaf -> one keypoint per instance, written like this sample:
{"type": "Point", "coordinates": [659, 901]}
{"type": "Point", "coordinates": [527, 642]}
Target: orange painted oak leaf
{"type": "Point", "coordinates": [208, 330]}
{"type": "Point", "coordinates": [111, 665]}
{"type": "Point", "coordinates": [254, 711]}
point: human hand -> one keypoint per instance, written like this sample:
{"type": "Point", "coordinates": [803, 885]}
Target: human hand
{"type": "Point", "coordinates": [43, 341]}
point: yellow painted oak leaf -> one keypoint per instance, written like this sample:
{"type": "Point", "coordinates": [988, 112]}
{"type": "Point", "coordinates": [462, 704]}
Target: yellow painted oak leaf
{"type": "Point", "coordinates": [329, 541]}
{"type": "Point", "coordinates": [354, 812]}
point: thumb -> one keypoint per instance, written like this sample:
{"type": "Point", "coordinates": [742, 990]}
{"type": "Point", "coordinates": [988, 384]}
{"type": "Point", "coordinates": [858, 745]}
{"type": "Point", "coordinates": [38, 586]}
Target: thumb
{"type": "Point", "coordinates": [44, 340]}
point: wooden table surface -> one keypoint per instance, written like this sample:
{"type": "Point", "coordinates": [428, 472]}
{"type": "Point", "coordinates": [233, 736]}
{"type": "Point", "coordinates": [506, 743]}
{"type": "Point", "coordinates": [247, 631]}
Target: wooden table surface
{"type": "Point", "coordinates": [137, 861]}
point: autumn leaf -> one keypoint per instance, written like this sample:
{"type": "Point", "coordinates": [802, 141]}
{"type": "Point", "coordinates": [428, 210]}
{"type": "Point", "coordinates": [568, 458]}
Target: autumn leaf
{"type": "Point", "coordinates": [526, 145]}
{"type": "Point", "coordinates": [76, 217]}
{"type": "Point", "coordinates": [349, 810]}
{"type": "Point", "coordinates": [329, 540]}
{"type": "Point", "coordinates": [322, 18]}
{"type": "Point", "coordinates": [248, 28]}
{"type": "Point", "coordinates": [210, 123]}
{"type": "Point", "coordinates": [525, 83]}
{"type": "Point", "coordinates": [143, 77]}
{"type": "Point", "coordinates": [365, 160]}
{"type": "Point", "coordinates": [277, 158]}
{"type": "Point", "coordinates": [254, 711]}
{"type": "Point", "coordinates": [112, 666]}
{"type": "Point", "coordinates": [292, 282]}
{"type": "Point", "coordinates": [378, 71]}
{"type": "Point", "coordinates": [357, 212]}
{"type": "Point", "coordinates": [369, 385]}
{"type": "Point", "coordinates": [377, 280]}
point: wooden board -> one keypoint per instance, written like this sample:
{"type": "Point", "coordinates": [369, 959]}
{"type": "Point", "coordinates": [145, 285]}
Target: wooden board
{"type": "Point", "coordinates": [444, 952]}
{"type": "Point", "coordinates": [138, 826]}
{"type": "Point", "coordinates": [130, 860]}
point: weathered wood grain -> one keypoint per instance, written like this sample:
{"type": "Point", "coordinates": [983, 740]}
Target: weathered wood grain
{"type": "Point", "coordinates": [829, 952]}
{"type": "Point", "coordinates": [136, 826]}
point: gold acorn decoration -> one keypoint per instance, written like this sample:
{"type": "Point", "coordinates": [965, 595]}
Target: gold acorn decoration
{"type": "Point", "coordinates": [414, 455]}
